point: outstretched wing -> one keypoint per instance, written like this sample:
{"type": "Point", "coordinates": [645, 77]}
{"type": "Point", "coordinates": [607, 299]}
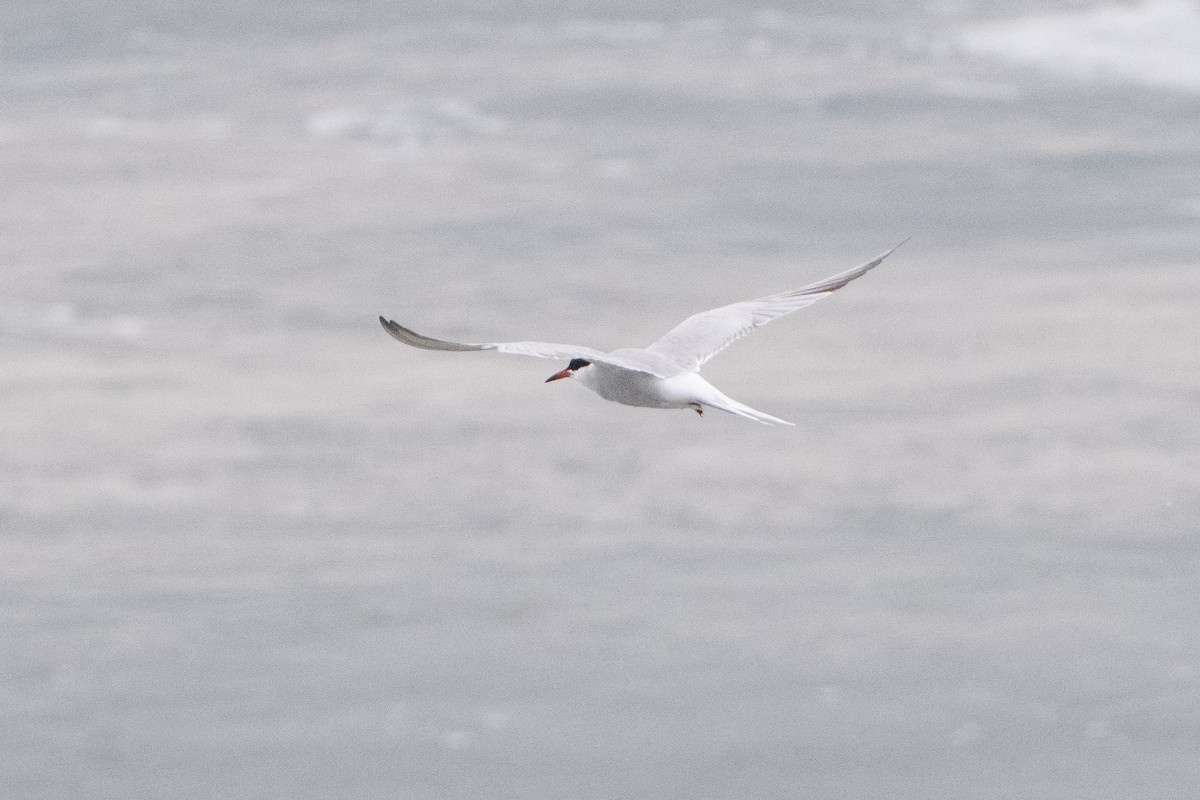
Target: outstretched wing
{"type": "Point", "coordinates": [701, 336]}
{"type": "Point", "coordinates": [536, 349]}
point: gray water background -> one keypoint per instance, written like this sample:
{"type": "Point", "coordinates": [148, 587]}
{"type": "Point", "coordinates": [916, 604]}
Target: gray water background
{"type": "Point", "coordinates": [250, 547]}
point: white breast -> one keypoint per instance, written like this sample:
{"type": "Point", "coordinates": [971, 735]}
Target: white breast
{"type": "Point", "coordinates": [633, 388]}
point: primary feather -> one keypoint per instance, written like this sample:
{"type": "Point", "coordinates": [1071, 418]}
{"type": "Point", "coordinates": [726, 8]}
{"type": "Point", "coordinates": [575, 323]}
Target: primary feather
{"type": "Point", "coordinates": [701, 336]}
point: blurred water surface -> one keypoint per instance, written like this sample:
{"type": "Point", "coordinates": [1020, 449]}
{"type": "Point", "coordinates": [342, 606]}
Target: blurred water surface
{"type": "Point", "coordinates": [250, 547]}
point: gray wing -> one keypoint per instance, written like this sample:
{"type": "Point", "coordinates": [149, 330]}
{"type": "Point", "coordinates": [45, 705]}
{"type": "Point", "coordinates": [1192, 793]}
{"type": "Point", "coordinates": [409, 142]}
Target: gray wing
{"type": "Point", "coordinates": [536, 349]}
{"type": "Point", "coordinates": [701, 336]}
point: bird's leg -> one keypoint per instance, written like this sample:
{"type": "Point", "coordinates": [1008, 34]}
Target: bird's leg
{"type": "Point", "coordinates": [699, 409]}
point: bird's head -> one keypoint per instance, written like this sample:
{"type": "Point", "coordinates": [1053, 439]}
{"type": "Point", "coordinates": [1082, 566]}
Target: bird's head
{"type": "Point", "coordinates": [575, 365]}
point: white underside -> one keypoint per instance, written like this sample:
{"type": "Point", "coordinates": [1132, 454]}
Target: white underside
{"type": "Point", "coordinates": [683, 390]}
{"type": "Point", "coordinates": [664, 375]}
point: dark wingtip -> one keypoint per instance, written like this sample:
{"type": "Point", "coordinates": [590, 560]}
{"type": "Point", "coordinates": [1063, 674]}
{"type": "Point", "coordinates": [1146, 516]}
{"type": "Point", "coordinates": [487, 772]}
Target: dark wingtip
{"type": "Point", "coordinates": [390, 327]}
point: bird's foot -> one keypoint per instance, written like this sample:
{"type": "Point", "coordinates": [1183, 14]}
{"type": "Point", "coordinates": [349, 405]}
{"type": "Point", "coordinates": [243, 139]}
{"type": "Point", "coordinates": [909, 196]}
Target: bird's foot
{"type": "Point", "coordinates": [699, 409]}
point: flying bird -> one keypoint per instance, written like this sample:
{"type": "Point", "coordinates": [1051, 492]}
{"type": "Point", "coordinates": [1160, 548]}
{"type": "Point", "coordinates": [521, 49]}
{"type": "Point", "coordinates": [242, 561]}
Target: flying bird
{"type": "Point", "coordinates": [667, 373]}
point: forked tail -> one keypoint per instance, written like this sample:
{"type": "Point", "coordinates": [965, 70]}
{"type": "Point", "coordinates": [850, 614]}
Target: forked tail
{"type": "Point", "coordinates": [742, 410]}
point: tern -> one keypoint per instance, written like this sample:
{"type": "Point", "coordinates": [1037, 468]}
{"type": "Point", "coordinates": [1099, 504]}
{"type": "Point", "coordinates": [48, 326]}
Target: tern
{"type": "Point", "coordinates": [667, 373]}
